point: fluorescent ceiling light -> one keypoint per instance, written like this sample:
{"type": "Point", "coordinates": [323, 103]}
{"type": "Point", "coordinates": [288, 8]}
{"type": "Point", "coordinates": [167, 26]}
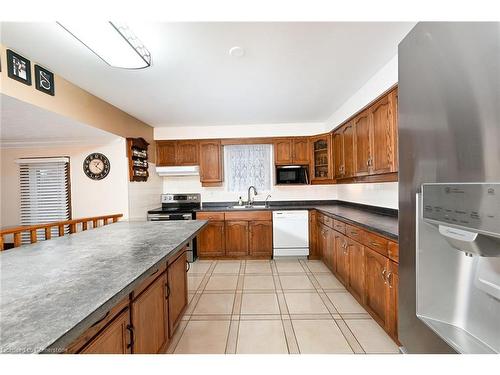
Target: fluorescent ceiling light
{"type": "Point", "coordinates": [113, 42]}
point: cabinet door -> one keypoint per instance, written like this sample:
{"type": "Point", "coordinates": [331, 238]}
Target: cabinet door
{"type": "Point", "coordinates": [342, 253]}
{"type": "Point", "coordinates": [283, 151]}
{"type": "Point", "coordinates": [382, 136]}
{"type": "Point", "coordinates": [187, 153]}
{"type": "Point", "coordinates": [319, 240]}
{"type": "Point", "coordinates": [393, 284]}
{"type": "Point", "coordinates": [149, 318]}
{"type": "Point", "coordinates": [165, 153]}
{"type": "Point", "coordinates": [377, 295]}
{"type": "Point", "coordinates": [362, 144]}
{"type": "Point", "coordinates": [323, 240]}
{"type": "Point", "coordinates": [114, 339]}
{"type": "Point", "coordinates": [261, 238]}
{"type": "Point", "coordinates": [348, 147]}
{"type": "Point", "coordinates": [313, 235]}
{"type": "Point", "coordinates": [338, 151]}
{"type": "Point", "coordinates": [321, 160]}
{"type": "Point", "coordinates": [236, 238]}
{"type": "Point", "coordinates": [210, 161]}
{"type": "Point", "coordinates": [211, 240]}
{"type": "Point", "coordinates": [177, 291]}
{"type": "Point", "coordinates": [356, 269]}
{"type": "Point", "coordinates": [301, 152]}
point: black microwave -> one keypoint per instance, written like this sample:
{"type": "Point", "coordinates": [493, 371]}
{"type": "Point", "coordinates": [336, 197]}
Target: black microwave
{"type": "Point", "coordinates": [292, 175]}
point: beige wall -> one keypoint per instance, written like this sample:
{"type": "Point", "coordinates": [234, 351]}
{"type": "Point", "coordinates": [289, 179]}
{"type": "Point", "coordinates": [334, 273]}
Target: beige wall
{"type": "Point", "coordinates": [88, 197]}
{"type": "Point", "coordinates": [73, 102]}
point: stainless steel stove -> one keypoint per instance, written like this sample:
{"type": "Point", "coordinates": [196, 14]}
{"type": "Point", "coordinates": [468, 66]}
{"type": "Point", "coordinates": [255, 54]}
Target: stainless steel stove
{"type": "Point", "coordinates": [178, 207]}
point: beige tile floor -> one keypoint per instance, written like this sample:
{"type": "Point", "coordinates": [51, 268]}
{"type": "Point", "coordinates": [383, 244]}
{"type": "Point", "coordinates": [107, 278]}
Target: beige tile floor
{"type": "Point", "coordinates": [273, 307]}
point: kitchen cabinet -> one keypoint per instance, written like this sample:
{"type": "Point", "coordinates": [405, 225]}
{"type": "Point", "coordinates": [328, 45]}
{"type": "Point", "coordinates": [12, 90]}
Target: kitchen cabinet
{"type": "Point", "coordinates": [211, 168]}
{"type": "Point", "coordinates": [377, 293]}
{"type": "Point", "coordinates": [236, 238]}
{"type": "Point", "coordinates": [321, 159]}
{"type": "Point", "coordinates": [176, 291]}
{"type": "Point", "coordinates": [291, 151]}
{"type": "Point", "coordinates": [344, 151]}
{"type": "Point", "coordinates": [211, 241]}
{"type": "Point", "coordinates": [314, 252]}
{"type": "Point", "coordinates": [342, 254]}
{"type": "Point", "coordinates": [362, 144]}
{"type": "Point", "coordinates": [176, 153]}
{"type": "Point", "coordinates": [166, 153]}
{"type": "Point", "coordinates": [113, 339]}
{"type": "Point", "coordinates": [327, 246]}
{"type": "Point", "coordinates": [260, 240]}
{"type": "Point", "coordinates": [356, 284]}
{"type": "Point", "coordinates": [383, 135]}
{"type": "Point", "coordinates": [393, 285]}
{"type": "Point", "coordinates": [150, 318]}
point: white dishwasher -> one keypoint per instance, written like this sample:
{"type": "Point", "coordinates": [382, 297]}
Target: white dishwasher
{"type": "Point", "coordinates": [290, 233]}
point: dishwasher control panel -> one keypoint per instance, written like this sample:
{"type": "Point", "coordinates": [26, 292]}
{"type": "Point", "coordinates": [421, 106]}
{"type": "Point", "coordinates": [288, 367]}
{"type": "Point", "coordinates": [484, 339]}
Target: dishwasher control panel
{"type": "Point", "coordinates": [470, 205]}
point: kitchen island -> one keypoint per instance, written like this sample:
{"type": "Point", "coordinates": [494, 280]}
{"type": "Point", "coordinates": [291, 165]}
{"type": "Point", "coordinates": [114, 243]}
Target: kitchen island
{"type": "Point", "coordinates": [53, 292]}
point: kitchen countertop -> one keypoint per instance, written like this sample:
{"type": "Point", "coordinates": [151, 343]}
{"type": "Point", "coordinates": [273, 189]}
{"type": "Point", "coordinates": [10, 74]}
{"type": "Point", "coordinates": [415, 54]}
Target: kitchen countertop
{"type": "Point", "coordinates": [52, 291]}
{"type": "Point", "coordinates": [376, 219]}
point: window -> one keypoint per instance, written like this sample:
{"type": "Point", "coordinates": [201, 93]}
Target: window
{"type": "Point", "coordinates": [45, 192]}
{"type": "Point", "coordinates": [247, 165]}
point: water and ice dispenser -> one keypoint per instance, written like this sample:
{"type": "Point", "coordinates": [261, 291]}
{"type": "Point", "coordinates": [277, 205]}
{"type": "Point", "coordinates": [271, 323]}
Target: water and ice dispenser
{"type": "Point", "coordinates": [458, 264]}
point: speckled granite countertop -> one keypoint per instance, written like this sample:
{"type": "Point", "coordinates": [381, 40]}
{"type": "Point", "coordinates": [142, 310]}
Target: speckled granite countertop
{"type": "Point", "coordinates": [52, 291]}
{"type": "Point", "coordinates": [376, 219]}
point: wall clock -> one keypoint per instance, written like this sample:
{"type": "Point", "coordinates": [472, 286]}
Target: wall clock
{"type": "Point", "coordinates": [96, 166]}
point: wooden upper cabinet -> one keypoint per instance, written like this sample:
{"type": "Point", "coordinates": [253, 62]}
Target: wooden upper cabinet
{"type": "Point", "coordinates": [383, 133]}
{"type": "Point", "coordinates": [236, 233]}
{"type": "Point", "coordinates": [260, 240]}
{"type": "Point", "coordinates": [176, 291]}
{"type": "Point", "coordinates": [165, 153]}
{"type": "Point", "coordinates": [283, 151]}
{"type": "Point", "coordinates": [348, 147]}
{"type": "Point", "coordinates": [338, 151]}
{"type": "Point", "coordinates": [149, 318]}
{"type": "Point", "coordinates": [187, 153]}
{"type": "Point", "coordinates": [210, 159]}
{"type": "Point", "coordinates": [377, 296]}
{"type": "Point", "coordinates": [321, 157]}
{"type": "Point", "coordinates": [300, 151]}
{"type": "Point", "coordinates": [362, 152]}
{"type": "Point", "coordinates": [114, 339]}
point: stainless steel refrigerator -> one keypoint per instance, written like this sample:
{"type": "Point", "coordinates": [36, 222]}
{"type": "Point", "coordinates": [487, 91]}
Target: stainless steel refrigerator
{"type": "Point", "coordinates": [449, 188]}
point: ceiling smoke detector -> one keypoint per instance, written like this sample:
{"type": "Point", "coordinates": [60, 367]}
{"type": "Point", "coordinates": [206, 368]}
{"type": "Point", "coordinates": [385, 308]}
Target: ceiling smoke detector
{"type": "Point", "coordinates": [236, 51]}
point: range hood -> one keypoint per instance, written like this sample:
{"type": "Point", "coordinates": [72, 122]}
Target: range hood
{"type": "Point", "coordinates": [193, 170]}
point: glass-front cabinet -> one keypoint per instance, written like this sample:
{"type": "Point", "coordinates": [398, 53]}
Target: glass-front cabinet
{"type": "Point", "coordinates": [322, 158]}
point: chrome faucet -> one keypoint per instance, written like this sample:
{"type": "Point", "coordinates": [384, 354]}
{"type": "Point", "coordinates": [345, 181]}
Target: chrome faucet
{"type": "Point", "coordinates": [266, 202]}
{"type": "Point", "coordinates": [250, 202]}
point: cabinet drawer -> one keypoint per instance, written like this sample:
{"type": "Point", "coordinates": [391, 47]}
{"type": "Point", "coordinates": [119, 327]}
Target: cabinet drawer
{"type": "Point", "coordinates": [355, 233]}
{"type": "Point", "coordinates": [219, 216]}
{"type": "Point", "coordinates": [393, 251]}
{"type": "Point", "coordinates": [339, 226]}
{"type": "Point", "coordinates": [249, 215]}
{"type": "Point", "coordinates": [327, 220]}
{"type": "Point", "coordinates": [376, 243]}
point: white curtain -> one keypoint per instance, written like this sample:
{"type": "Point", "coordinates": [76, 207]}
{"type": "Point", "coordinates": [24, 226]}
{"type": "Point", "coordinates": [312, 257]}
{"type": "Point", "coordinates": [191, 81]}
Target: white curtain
{"type": "Point", "coordinates": [247, 165]}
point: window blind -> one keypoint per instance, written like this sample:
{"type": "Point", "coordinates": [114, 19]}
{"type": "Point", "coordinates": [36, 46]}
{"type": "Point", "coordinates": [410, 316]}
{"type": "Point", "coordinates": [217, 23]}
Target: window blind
{"type": "Point", "coordinates": [45, 193]}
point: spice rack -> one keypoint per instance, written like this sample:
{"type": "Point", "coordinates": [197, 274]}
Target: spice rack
{"type": "Point", "coordinates": [137, 153]}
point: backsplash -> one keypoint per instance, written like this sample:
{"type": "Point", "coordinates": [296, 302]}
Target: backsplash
{"type": "Point", "coordinates": [382, 195]}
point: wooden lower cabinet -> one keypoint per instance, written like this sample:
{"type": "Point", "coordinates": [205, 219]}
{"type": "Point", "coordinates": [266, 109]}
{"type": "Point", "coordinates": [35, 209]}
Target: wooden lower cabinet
{"type": "Point", "coordinates": [260, 238]}
{"type": "Point", "coordinates": [377, 293]}
{"type": "Point", "coordinates": [150, 318]}
{"type": "Point", "coordinates": [236, 238]}
{"type": "Point", "coordinates": [114, 339]}
{"type": "Point", "coordinates": [342, 254]}
{"type": "Point", "coordinates": [176, 291]}
{"type": "Point", "coordinates": [212, 241]}
{"type": "Point", "coordinates": [326, 239]}
{"type": "Point", "coordinates": [356, 284]}
{"type": "Point", "coordinates": [393, 285]}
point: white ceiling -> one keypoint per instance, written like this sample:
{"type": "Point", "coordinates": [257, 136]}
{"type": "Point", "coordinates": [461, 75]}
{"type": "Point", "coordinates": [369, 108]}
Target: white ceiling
{"type": "Point", "coordinates": [291, 72]}
{"type": "Point", "coordinates": [23, 124]}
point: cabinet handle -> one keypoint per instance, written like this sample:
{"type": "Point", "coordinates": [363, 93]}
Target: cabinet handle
{"type": "Point", "coordinates": [100, 320]}
{"type": "Point", "coordinates": [130, 328]}
{"type": "Point", "coordinates": [188, 266]}
{"type": "Point", "coordinates": [168, 291]}
{"type": "Point", "coordinates": [383, 276]}
{"type": "Point", "coordinates": [388, 277]}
